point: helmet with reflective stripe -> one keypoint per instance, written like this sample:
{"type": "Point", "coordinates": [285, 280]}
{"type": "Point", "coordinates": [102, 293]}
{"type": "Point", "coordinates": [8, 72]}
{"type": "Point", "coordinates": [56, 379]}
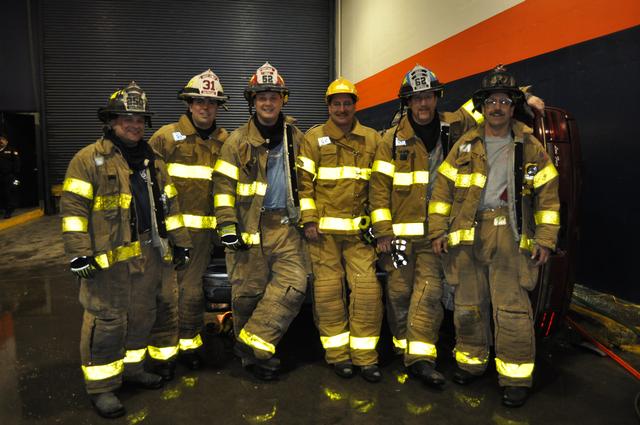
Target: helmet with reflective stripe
{"type": "Point", "coordinates": [341, 85]}
{"type": "Point", "coordinates": [206, 84]}
{"type": "Point", "coordinates": [498, 80]}
{"type": "Point", "coordinates": [265, 79]}
{"type": "Point", "coordinates": [131, 100]}
{"type": "Point", "coordinates": [420, 79]}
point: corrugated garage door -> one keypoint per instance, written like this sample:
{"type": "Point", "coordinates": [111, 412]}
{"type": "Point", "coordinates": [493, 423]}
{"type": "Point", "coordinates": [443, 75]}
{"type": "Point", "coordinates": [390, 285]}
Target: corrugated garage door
{"type": "Point", "coordinates": [93, 47]}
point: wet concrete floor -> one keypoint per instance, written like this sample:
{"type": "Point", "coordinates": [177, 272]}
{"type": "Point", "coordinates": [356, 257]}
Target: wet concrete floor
{"type": "Point", "coordinates": [41, 381]}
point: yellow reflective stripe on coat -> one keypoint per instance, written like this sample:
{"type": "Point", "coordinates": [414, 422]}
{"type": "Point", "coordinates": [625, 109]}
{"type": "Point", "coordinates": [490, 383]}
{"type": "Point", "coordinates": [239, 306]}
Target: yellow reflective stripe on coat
{"type": "Point", "coordinates": [422, 349]}
{"type": "Point", "coordinates": [335, 341]}
{"type": "Point", "coordinates": [99, 372]}
{"type": "Point", "coordinates": [198, 221]}
{"type": "Point", "coordinates": [229, 170]}
{"type": "Point", "coordinates": [170, 190]}
{"type": "Point", "coordinates": [468, 106]}
{"type": "Point", "coordinates": [408, 229]}
{"type": "Point", "coordinates": [307, 164]}
{"type": "Point", "coordinates": [400, 343]}
{"type": "Point", "coordinates": [462, 235]}
{"type": "Point", "coordinates": [346, 172]}
{"type": "Point", "coordinates": [112, 202]}
{"type": "Point", "coordinates": [448, 170]}
{"type": "Point", "coordinates": [75, 224]}
{"type": "Point", "coordinates": [514, 370]}
{"type": "Point", "coordinates": [190, 171]}
{"type": "Point", "coordinates": [251, 238]}
{"type": "Point", "coordinates": [79, 187]}
{"type": "Point", "coordinates": [255, 341]}
{"type": "Point", "coordinates": [363, 343]}
{"type": "Point", "coordinates": [544, 176]}
{"type": "Point", "coordinates": [384, 167]}
{"type": "Point", "coordinates": [526, 243]}
{"type": "Point", "coordinates": [224, 201]}
{"type": "Point", "coordinates": [336, 223]}
{"type": "Point", "coordinates": [547, 217]}
{"type": "Point", "coordinates": [250, 189]}
{"type": "Point", "coordinates": [162, 353]}
{"type": "Point", "coordinates": [121, 253]}
{"type": "Point", "coordinates": [190, 343]}
{"type": "Point", "coordinates": [468, 180]}
{"type": "Point", "coordinates": [442, 208]}
{"type": "Point", "coordinates": [407, 179]}
{"type": "Point", "coordinates": [173, 222]}
{"type": "Point", "coordinates": [307, 204]}
{"type": "Point", "coordinates": [466, 358]}
{"type": "Point", "coordinates": [135, 356]}
{"type": "Point", "coordinates": [381, 214]}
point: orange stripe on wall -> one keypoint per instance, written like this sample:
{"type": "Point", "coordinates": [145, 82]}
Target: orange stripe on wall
{"type": "Point", "coordinates": [526, 30]}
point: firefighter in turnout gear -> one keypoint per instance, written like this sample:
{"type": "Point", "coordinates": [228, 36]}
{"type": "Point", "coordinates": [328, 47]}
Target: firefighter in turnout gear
{"type": "Point", "coordinates": [257, 210]}
{"type": "Point", "coordinates": [9, 177]}
{"type": "Point", "coordinates": [335, 167]}
{"type": "Point", "coordinates": [122, 229]}
{"type": "Point", "coordinates": [494, 213]}
{"type": "Point", "coordinates": [401, 180]}
{"type": "Point", "coordinates": [190, 148]}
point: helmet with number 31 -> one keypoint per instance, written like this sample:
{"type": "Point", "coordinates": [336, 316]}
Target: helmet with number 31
{"type": "Point", "coordinates": [206, 84]}
{"type": "Point", "coordinates": [419, 79]}
{"type": "Point", "coordinates": [266, 78]}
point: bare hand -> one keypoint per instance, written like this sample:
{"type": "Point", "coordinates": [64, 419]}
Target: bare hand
{"type": "Point", "coordinates": [311, 232]}
{"type": "Point", "coordinates": [384, 244]}
{"type": "Point", "coordinates": [536, 103]}
{"type": "Point", "coordinates": [440, 245]}
{"type": "Point", "coordinates": [542, 253]}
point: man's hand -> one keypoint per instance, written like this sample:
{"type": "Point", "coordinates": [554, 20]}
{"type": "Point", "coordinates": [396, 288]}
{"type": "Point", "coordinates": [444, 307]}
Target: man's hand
{"type": "Point", "coordinates": [311, 232]}
{"type": "Point", "coordinates": [536, 103]}
{"type": "Point", "coordinates": [541, 253]}
{"type": "Point", "coordinates": [440, 245]}
{"type": "Point", "coordinates": [230, 237]}
{"type": "Point", "coordinates": [384, 244]}
{"type": "Point", "coordinates": [181, 257]}
{"type": "Point", "coordinates": [85, 266]}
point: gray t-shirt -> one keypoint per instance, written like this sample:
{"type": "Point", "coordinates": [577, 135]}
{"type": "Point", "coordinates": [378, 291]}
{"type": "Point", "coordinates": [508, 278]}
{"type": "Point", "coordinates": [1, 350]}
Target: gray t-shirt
{"type": "Point", "coordinates": [498, 158]}
{"type": "Point", "coordinates": [276, 195]}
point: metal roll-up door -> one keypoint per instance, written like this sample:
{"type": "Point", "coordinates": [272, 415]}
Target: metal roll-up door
{"type": "Point", "coordinates": [92, 48]}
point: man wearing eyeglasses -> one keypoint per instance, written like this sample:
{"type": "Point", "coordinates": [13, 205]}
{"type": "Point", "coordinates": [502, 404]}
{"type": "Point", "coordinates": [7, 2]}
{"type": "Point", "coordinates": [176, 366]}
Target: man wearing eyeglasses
{"type": "Point", "coordinates": [335, 161]}
{"type": "Point", "coordinates": [497, 220]}
{"type": "Point", "coordinates": [190, 147]}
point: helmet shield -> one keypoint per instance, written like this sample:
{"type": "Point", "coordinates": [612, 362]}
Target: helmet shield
{"type": "Point", "coordinates": [498, 80]}
{"type": "Point", "coordinates": [128, 101]}
{"type": "Point", "coordinates": [266, 78]}
{"type": "Point", "coordinates": [206, 84]}
{"type": "Point", "coordinates": [420, 79]}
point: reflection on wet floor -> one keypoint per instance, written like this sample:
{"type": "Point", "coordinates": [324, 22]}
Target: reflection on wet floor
{"type": "Point", "coordinates": [41, 381]}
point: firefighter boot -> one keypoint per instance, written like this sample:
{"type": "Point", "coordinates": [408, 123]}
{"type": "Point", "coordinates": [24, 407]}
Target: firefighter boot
{"type": "Point", "coordinates": [427, 373]}
{"type": "Point", "coordinates": [371, 373]}
{"type": "Point", "coordinates": [514, 396]}
{"type": "Point", "coordinates": [146, 380]}
{"type": "Point", "coordinates": [165, 369]}
{"type": "Point", "coordinates": [263, 369]}
{"type": "Point", "coordinates": [462, 377]}
{"type": "Point", "coordinates": [344, 369]}
{"type": "Point", "coordinates": [191, 359]}
{"type": "Point", "coordinates": [107, 405]}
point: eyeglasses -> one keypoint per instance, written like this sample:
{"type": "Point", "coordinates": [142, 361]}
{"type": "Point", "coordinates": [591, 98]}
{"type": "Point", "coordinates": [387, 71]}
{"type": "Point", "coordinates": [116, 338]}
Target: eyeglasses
{"type": "Point", "coordinates": [204, 100]}
{"type": "Point", "coordinates": [505, 101]}
{"type": "Point", "coordinates": [347, 104]}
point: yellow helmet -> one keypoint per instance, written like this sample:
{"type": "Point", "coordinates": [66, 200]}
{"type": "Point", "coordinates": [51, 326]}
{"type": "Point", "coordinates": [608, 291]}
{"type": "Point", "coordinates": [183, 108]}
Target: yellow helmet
{"type": "Point", "coordinates": [341, 85]}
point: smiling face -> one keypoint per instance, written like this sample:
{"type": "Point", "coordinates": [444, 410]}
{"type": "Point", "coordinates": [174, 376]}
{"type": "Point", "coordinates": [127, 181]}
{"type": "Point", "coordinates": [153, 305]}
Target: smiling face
{"type": "Point", "coordinates": [423, 107]}
{"type": "Point", "coordinates": [498, 109]}
{"type": "Point", "coordinates": [203, 111]}
{"type": "Point", "coordinates": [268, 106]}
{"type": "Point", "coordinates": [129, 128]}
{"type": "Point", "coordinates": [342, 109]}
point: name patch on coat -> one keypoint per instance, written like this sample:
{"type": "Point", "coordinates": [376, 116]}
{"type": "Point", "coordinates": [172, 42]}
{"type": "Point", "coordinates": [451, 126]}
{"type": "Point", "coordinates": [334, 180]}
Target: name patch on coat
{"type": "Point", "coordinates": [99, 159]}
{"type": "Point", "coordinates": [401, 142]}
{"type": "Point", "coordinates": [177, 136]}
{"type": "Point", "coordinates": [325, 140]}
{"type": "Point", "coordinates": [465, 147]}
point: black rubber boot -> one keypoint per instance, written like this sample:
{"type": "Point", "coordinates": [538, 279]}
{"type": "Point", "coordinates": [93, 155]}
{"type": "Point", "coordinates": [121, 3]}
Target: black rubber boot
{"type": "Point", "coordinates": [146, 380]}
{"type": "Point", "coordinates": [371, 373]}
{"type": "Point", "coordinates": [191, 359]}
{"type": "Point", "coordinates": [424, 371]}
{"type": "Point", "coordinates": [344, 369]}
{"type": "Point", "coordinates": [165, 369]}
{"type": "Point", "coordinates": [263, 369]}
{"type": "Point", "coordinates": [515, 396]}
{"type": "Point", "coordinates": [462, 377]}
{"type": "Point", "coordinates": [107, 405]}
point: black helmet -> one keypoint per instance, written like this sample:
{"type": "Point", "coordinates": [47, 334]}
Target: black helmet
{"type": "Point", "coordinates": [128, 101]}
{"type": "Point", "coordinates": [498, 80]}
{"type": "Point", "coordinates": [419, 79]}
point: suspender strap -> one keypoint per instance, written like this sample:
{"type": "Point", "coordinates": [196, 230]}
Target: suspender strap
{"type": "Point", "coordinates": [444, 138]}
{"type": "Point", "coordinates": [291, 157]}
{"type": "Point", "coordinates": [518, 169]}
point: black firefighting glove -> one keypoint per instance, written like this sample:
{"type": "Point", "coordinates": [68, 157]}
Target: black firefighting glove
{"type": "Point", "coordinates": [366, 231]}
{"type": "Point", "coordinates": [85, 266]}
{"type": "Point", "coordinates": [230, 237]}
{"type": "Point", "coordinates": [398, 253]}
{"type": "Point", "coordinates": [181, 257]}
